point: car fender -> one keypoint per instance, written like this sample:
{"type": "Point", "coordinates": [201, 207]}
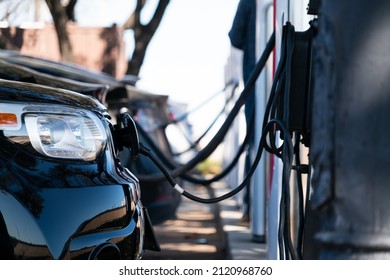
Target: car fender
{"type": "Point", "coordinates": [23, 233]}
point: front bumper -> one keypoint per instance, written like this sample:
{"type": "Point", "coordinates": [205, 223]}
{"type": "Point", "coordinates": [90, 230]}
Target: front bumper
{"type": "Point", "coordinates": [123, 243]}
{"type": "Point", "coordinates": [53, 210]}
{"type": "Point", "coordinates": [74, 223]}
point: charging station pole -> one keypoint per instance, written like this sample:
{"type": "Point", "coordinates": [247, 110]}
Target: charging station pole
{"type": "Point", "coordinates": [258, 192]}
{"type": "Point", "coordinates": [350, 133]}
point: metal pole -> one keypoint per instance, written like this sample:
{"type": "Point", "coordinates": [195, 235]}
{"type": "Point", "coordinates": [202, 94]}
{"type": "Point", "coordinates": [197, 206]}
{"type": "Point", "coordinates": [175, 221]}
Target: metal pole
{"type": "Point", "coordinates": [258, 191]}
{"type": "Point", "coordinates": [350, 134]}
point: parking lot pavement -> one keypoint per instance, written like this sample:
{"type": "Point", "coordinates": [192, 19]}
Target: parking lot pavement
{"type": "Point", "coordinates": [195, 233]}
{"type": "Point", "coordinates": [238, 235]}
{"type": "Point", "coordinates": [206, 231]}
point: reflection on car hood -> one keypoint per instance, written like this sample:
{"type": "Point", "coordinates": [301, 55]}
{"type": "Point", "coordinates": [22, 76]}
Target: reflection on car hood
{"type": "Point", "coordinates": [15, 72]}
{"type": "Point", "coordinates": [26, 92]}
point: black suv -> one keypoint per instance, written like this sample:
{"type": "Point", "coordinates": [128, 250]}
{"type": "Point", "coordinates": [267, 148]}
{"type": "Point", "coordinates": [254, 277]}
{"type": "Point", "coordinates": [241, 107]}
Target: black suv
{"type": "Point", "coordinates": [63, 192]}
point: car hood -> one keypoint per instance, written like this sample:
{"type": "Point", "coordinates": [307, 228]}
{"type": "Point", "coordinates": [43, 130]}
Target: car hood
{"type": "Point", "coordinates": [15, 72]}
{"type": "Point", "coordinates": [12, 91]}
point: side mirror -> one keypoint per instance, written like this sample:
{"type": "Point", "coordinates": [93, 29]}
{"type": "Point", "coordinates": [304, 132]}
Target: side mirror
{"type": "Point", "coordinates": [126, 135]}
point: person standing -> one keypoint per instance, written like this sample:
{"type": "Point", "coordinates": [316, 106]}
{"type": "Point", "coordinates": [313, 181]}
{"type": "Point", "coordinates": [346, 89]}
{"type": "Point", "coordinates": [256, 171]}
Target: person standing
{"type": "Point", "coordinates": [242, 36]}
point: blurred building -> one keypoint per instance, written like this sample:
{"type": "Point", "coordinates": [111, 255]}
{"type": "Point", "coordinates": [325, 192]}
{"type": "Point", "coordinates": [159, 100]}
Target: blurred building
{"type": "Point", "coordinates": [97, 48]}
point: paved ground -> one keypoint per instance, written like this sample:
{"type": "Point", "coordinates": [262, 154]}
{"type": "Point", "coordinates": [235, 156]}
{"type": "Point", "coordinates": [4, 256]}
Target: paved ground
{"type": "Point", "coordinates": [195, 234]}
{"type": "Point", "coordinates": [206, 231]}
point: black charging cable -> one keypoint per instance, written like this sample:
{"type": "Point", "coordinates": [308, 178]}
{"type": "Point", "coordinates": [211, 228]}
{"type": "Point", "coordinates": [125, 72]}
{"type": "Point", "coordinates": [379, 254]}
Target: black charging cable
{"type": "Point", "coordinates": [197, 179]}
{"type": "Point", "coordinates": [219, 136]}
{"type": "Point", "coordinates": [194, 144]}
{"type": "Point", "coordinates": [270, 126]}
{"type": "Point", "coordinates": [275, 126]}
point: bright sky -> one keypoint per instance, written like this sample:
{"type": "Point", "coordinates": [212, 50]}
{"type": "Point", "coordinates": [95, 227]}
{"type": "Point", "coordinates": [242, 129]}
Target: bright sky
{"type": "Point", "coordinates": [187, 56]}
{"type": "Point", "coordinates": [186, 59]}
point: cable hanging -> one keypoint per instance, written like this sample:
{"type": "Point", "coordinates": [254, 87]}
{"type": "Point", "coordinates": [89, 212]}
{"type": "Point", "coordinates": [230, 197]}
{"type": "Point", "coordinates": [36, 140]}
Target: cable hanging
{"type": "Point", "coordinates": [195, 143]}
{"type": "Point", "coordinates": [200, 180]}
{"type": "Point", "coordinates": [275, 131]}
{"type": "Point", "coordinates": [219, 136]}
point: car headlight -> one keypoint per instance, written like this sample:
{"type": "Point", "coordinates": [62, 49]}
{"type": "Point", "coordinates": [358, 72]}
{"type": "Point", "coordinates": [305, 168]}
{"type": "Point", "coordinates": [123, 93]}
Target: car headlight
{"type": "Point", "coordinates": [55, 131]}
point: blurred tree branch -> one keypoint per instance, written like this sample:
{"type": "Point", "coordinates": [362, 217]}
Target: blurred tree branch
{"type": "Point", "coordinates": [61, 16]}
{"type": "Point", "coordinates": [6, 39]}
{"type": "Point", "coordinates": [143, 33]}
